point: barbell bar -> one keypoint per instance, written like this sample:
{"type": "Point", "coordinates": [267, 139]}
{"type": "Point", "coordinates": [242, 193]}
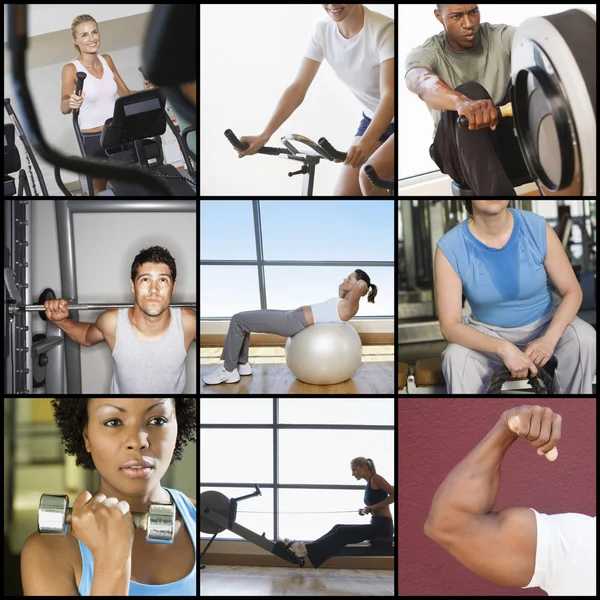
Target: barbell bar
{"type": "Point", "coordinates": [101, 306]}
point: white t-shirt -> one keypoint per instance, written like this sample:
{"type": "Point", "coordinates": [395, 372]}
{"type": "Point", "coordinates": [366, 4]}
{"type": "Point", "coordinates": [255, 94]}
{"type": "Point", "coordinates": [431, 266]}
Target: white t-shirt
{"type": "Point", "coordinates": [356, 61]}
{"type": "Point", "coordinates": [565, 558]}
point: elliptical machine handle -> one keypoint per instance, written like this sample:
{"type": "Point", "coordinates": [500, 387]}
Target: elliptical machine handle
{"type": "Point", "coordinates": [78, 88]}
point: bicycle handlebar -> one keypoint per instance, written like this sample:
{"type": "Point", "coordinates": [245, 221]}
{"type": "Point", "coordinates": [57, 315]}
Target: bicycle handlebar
{"type": "Point", "coordinates": [235, 142]}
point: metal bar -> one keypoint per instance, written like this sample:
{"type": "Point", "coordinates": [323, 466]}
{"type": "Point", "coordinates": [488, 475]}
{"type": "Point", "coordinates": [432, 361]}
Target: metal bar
{"type": "Point", "coordinates": [297, 263]}
{"type": "Point", "coordinates": [110, 206]}
{"type": "Point", "coordinates": [32, 307]}
{"type": "Point", "coordinates": [68, 279]}
{"type": "Point", "coordinates": [259, 254]}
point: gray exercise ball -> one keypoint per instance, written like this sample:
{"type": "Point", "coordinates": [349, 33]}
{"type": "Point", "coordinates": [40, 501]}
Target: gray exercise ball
{"type": "Point", "coordinates": [324, 354]}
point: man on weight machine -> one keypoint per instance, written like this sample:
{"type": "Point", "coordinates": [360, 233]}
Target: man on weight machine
{"type": "Point", "coordinates": [149, 342]}
{"type": "Point", "coordinates": [465, 70]}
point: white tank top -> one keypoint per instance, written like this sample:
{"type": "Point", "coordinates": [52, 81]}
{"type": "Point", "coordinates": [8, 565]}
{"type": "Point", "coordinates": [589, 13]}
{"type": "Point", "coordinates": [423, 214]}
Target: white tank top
{"type": "Point", "coordinates": [100, 96]}
{"type": "Point", "coordinates": [326, 312]}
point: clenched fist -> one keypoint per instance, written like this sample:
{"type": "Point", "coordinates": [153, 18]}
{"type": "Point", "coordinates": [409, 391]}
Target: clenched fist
{"type": "Point", "coordinates": [537, 424]}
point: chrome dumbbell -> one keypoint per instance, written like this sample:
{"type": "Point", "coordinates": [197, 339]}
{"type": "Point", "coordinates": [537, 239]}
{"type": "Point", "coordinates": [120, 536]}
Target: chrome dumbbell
{"type": "Point", "coordinates": [54, 515]}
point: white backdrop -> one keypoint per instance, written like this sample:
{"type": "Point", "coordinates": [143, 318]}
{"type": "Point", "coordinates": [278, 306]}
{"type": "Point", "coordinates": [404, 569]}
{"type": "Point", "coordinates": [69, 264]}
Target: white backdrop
{"type": "Point", "coordinates": [416, 23]}
{"type": "Point", "coordinates": [249, 54]}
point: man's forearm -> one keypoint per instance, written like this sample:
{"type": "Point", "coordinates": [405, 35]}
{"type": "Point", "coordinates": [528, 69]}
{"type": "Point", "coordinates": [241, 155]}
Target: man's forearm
{"type": "Point", "coordinates": [565, 313]}
{"type": "Point", "coordinates": [471, 488]}
{"type": "Point", "coordinates": [437, 94]}
{"type": "Point", "coordinates": [76, 330]}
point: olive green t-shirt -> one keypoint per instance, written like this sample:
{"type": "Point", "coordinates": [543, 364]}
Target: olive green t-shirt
{"type": "Point", "coordinates": [487, 63]}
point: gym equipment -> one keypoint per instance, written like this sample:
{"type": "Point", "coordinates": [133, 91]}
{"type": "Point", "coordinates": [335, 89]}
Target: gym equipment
{"type": "Point", "coordinates": [309, 160]}
{"type": "Point", "coordinates": [324, 354]}
{"type": "Point", "coordinates": [54, 515]}
{"type": "Point", "coordinates": [503, 111]}
{"type": "Point", "coordinates": [131, 138]}
{"type": "Point", "coordinates": [553, 73]}
{"type": "Point", "coordinates": [12, 159]}
{"type": "Point", "coordinates": [427, 373]}
{"type": "Point", "coordinates": [217, 513]}
{"type": "Point", "coordinates": [170, 59]}
{"type": "Point", "coordinates": [545, 374]}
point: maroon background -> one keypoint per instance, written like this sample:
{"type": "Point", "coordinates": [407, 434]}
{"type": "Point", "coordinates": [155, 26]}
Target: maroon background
{"type": "Point", "coordinates": [435, 434]}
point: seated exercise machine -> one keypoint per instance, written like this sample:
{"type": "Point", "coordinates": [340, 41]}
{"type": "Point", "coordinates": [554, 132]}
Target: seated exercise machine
{"type": "Point", "coordinates": [170, 61]}
{"type": "Point", "coordinates": [309, 160]}
{"type": "Point", "coordinates": [553, 98]}
{"type": "Point", "coordinates": [217, 513]}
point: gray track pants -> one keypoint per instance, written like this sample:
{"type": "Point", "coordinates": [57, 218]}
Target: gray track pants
{"type": "Point", "coordinates": [470, 371]}
{"type": "Point", "coordinates": [281, 322]}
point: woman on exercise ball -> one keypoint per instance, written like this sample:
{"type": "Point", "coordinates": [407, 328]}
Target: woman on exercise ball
{"type": "Point", "coordinates": [359, 45]}
{"type": "Point", "coordinates": [102, 553]}
{"type": "Point", "coordinates": [287, 323]}
{"type": "Point", "coordinates": [379, 494]}
{"type": "Point", "coordinates": [503, 261]}
{"type": "Point", "coordinates": [103, 85]}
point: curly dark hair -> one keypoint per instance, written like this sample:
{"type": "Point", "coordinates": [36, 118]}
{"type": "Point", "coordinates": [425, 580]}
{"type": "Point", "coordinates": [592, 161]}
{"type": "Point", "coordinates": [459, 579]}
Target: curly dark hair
{"type": "Point", "coordinates": [156, 255]}
{"type": "Point", "coordinates": [71, 417]}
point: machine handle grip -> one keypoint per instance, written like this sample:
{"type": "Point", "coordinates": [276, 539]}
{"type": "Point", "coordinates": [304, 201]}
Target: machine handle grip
{"type": "Point", "coordinates": [235, 142]}
{"type": "Point", "coordinates": [335, 154]}
{"type": "Point", "coordinates": [503, 111]}
{"type": "Point", "coordinates": [79, 87]}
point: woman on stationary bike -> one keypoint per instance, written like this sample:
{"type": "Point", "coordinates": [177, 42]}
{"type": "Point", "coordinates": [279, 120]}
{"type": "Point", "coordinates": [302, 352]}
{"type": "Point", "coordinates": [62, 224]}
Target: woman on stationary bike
{"type": "Point", "coordinates": [353, 35]}
{"type": "Point", "coordinates": [103, 85]}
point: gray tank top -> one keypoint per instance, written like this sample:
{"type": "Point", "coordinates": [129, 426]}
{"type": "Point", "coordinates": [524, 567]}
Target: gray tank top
{"type": "Point", "coordinates": [148, 367]}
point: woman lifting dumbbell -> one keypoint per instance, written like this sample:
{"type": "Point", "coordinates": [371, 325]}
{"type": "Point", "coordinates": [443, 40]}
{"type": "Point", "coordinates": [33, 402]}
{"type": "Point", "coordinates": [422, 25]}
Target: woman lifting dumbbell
{"type": "Point", "coordinates": [379, 494]}
{"type": "Point", "coordinates": [103, 86]}
{"type": "Point", "coordinates": [130, 442]}
{"type": "Point", "coordinates": [503, 261]}
{"type": "Point", "coordinates": [358, 43]}
{"type": "Point", "coordinates": [287, 323]}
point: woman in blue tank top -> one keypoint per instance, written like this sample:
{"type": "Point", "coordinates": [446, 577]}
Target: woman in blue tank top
{"type": "Point", "coordinates": [379, 495]}
{"type": "Point", "coordinates": [131, 443]}
{"type": "Point", "coordinates": [503, 261]}
{"type": "Point", "coordinates": [286, 323]}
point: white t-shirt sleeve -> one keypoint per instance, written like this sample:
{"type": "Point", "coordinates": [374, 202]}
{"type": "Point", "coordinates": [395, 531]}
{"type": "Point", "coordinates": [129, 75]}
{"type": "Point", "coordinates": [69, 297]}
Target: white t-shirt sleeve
{"type": "Point", "coordinates": [565, 560]}
{"type": "Point", "coordinates": [314, 49]}
{"type": "Point", "coordinates": [386, 42]}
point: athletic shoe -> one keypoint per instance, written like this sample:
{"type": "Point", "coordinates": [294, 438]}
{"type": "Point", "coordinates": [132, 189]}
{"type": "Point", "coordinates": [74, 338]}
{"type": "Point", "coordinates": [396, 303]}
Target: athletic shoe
{"type": "Point", "coordinates": [298, 548]}
{"type": "Point", "coordinates": [244, 369]}
{"type": "Point", "coordinates": [221, 376]}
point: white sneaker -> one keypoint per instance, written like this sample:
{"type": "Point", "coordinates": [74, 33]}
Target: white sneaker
{"type": "Point", "coordinates": [221, 376]}
{"type": "Point", "coordinates": [244, 369]}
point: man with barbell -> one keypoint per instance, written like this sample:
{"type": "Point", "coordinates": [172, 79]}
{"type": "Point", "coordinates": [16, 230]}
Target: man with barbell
{"type": "Point", "coordinates": [515, 547]}
{"type": "Point", "coordinates": [131, 443]}
{"type": "Point", "coordinates": [149, 342]}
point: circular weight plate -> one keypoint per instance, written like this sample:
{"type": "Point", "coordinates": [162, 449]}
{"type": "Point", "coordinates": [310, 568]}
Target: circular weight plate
{"type": "Point", "coordinates": [47, 294]}
{"type": "Point", "coordinates": [563, 46]}
{"type": "Point", "coordinates": [215, 502]}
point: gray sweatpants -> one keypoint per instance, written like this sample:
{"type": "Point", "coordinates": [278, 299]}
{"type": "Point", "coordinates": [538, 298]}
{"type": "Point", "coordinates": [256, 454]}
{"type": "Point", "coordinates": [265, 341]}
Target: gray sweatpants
{"type": "Point", "coordinates": [281, 322]}
{"type": "Point", "coordinates": [470, 371]}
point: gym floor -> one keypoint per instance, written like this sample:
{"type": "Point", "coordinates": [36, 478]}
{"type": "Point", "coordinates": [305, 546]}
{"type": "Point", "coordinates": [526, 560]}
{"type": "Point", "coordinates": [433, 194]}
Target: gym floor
{"type": "Point", "coordinates": [272, 376]}
{"type": "Point", "coordinates": [216, 580]}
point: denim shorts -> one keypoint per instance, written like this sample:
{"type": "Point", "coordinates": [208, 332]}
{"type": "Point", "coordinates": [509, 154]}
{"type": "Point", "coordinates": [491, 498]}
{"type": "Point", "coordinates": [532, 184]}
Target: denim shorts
{"type": "Point", "coordinates": [365, 122]}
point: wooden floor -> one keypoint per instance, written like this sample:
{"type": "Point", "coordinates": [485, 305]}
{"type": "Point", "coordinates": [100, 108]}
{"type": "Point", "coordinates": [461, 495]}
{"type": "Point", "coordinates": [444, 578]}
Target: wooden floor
{"type": "Point", "coordinates": [272, 376]}
{"type": "Point", "coordinates": [217, 580]}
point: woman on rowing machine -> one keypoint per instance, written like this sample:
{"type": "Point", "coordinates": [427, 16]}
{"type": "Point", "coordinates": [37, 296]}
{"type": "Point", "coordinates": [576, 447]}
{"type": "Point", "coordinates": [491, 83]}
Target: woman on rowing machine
{"type": "Point", "coordinates": [102, 553]}
{"type": "Point", "coordinates": [103, 85]}
{"type": "Point", "coordinates": [359, 45]}
{"type": "Point", "coordinates": [379, 494]}
{"type": "Point", "coordinates": [503, 260]}
{"type": "Point", "coordinates": [287, 323]}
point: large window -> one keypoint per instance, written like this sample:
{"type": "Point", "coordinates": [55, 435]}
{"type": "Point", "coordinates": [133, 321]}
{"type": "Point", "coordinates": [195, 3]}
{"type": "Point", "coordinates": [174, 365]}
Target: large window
{"type": "Point", "coordinates": [282, 254]}
{"type": "Point", "coordinates": [298, 451]}
{"type": "Point", "coordinates": [417, 23]}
